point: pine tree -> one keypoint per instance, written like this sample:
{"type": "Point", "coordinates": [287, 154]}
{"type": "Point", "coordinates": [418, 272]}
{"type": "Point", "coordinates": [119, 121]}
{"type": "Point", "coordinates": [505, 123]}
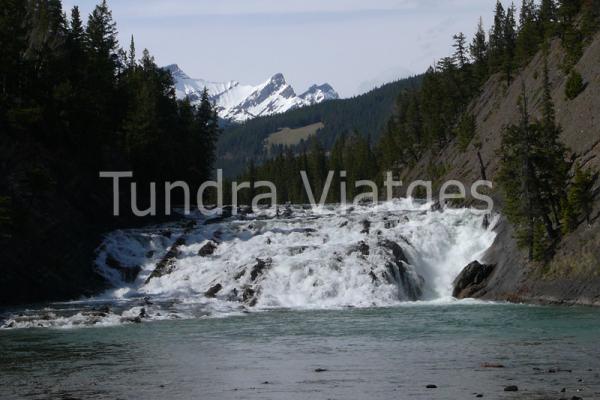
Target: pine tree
{"type": "Point", "coordinates": [460, 46]}
{"type": "Point", "coordinates": [516, 178]}
{"type": "Point", "coordinates": [510, 42]}
{"type": "Point", "coordinates": [574, 85]}
{"type": "Point", "coordinates": [581, 197]}
{"type": "Point", "coordinates": [465, 130]}
{"type": "Point", "coordinates": [498, 39]}
{"type": "Point", "coordinates": [547, 19]}
{"type": "Point", "coordinates": [131, 60]}
{"type": "Point", "coordinates": [317, 164]}
{"type": "Point", "coordinates": [528, 39]}
{"type": "Point", "coordinates": [209, 133]}
{"type": "Point", "coordinates": [76, 32]}
{"type": "Point", "coordinates": [411, 126]}
{"type": "Point", "coordinates": [533, 176]}
{"type": "Point", "coordinates": [590, 20]}
{"type": "Point", "coordinates": [102, 31]}
{"type": "Point", "coordinates": [568, 10]}
{"type": "Point", "coordinates": [553, 169]}
{"type": "Point", "coordinates": [337, 164]}
{"type": "Point", "coordinates": [479, 52]}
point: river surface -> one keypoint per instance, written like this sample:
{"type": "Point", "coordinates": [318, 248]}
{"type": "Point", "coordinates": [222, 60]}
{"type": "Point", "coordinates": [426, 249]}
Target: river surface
{"type": "Point", "coordinates": [380, 353]}
{"type": "Point", "coordinates": [298, 304]}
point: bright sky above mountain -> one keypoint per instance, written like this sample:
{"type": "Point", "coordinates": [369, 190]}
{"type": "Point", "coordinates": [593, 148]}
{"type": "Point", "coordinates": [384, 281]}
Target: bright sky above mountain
{"type": "Point", "coordinates": [351, 44]}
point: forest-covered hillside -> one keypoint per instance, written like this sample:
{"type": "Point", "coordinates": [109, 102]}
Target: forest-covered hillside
{"type": "Point", "coordinates": [366, 114]}
{"type": "Point", "coordinates": [73, 103]}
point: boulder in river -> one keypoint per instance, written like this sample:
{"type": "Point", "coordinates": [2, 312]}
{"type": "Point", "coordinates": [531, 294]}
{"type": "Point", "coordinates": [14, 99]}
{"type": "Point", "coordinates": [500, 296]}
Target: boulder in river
{"type": "Point", "coordinates": [259, 268]}
{"type": "Point", "coordinates": [472, 279]}
{"type": "Point", "coordinates": [212, 292]}
{"type": "Point", "coordinates": [248, 294]}
{"type": "Point", "coordinates": [168, 263]}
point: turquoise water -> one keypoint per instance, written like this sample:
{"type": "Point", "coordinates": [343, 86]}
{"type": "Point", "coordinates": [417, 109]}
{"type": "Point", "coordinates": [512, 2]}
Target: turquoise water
{"type": "Point", "coordinates": [386, 353]}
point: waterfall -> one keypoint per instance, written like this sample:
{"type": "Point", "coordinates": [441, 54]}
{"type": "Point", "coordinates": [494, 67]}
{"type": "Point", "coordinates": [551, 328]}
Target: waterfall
{"type": "Point", "coordinates": [365, 256]}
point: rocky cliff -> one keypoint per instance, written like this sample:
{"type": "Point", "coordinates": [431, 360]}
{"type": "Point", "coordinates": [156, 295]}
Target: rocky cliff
{"type": "Point", "coordinates": [573, 275]}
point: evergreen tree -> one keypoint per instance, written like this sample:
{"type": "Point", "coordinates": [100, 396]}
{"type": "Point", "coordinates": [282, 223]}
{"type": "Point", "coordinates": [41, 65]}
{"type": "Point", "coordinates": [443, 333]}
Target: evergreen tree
{"type": "Point", "coordinates": [479, 52]}
{"type": "Point", "coordinates": [574, 85]}
{"type": "Point", "coordinates": [76, 32]}
{"type": "Point", "coordinates": [533, 176]}
{"type": "Point", "coordinates": [465, 130]}
{"type": "Point", "coordinates": [131, 60]}
{"type": "Point", "coordinates": [547, 18]}
{"type": "Point", "coordinates": [568, 10]}
{"type": "Point", "coordinates": [528, 39]}
{"type": "Point", "coordinates": [460, 46]}
{"type": "Point", "coordinates": [317, 164]}
{"type": "Point", "coordinates": [497, 46]}
{"type": "Point", "coordinates": [510, 43]}
{"type": "Point", "coordinates": [581, 197]}
{"type": "Point", "coordinates": [590, 19]}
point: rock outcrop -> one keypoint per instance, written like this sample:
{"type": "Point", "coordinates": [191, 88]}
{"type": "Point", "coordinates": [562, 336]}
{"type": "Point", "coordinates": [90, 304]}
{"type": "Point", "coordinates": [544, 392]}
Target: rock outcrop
{"type": "Point", "coordinates": [472, 279]}
{"type": "Point", "coordinates": [168, 262]}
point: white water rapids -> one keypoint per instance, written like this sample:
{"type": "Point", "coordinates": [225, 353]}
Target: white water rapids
{"type": "Point", "coordinates": [370, 256]}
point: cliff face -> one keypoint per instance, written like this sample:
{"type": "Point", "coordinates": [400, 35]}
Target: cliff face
{"type": "Point", "coordinates": [573, 276]}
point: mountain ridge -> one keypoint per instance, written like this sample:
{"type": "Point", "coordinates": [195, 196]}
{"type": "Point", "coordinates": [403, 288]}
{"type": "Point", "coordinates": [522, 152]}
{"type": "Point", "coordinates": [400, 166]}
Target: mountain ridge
{"type": "Point", "coordinates": [239, 103]}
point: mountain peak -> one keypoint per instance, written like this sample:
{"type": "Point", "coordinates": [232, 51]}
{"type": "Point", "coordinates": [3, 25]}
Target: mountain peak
{"type": "Point", "coordinates": [319, 93]}
{"type": "Point", "coordinates": [278, 77]}
{"type": "Point", "coordinates": [176, 71]}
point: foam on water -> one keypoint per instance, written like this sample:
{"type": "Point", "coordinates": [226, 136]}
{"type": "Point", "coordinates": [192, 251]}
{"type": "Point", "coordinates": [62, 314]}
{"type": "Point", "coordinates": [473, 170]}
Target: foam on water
{"type": "Point", "coordinates": [298, 259]}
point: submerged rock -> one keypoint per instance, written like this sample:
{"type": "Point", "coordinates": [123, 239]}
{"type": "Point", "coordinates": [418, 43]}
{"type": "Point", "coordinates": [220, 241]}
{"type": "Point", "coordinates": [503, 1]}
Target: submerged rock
{"type": "Point", "coordinates": [491, 365]}
{"type": "Point", "coordinates": [511, 388]}
{"type": "Point", "coordinates": [471, 279]}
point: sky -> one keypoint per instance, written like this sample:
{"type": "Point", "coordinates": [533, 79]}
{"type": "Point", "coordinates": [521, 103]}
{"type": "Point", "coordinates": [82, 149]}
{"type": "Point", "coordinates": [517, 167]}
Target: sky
{"type": "Point", "coordinates": [351, 44]}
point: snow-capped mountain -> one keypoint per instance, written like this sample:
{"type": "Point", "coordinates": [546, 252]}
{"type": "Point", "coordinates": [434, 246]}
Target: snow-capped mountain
{"type": "Point", "coordinates": [239, 103]}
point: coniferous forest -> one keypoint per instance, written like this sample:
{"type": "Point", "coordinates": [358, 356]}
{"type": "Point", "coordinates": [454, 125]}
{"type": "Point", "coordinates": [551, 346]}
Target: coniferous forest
{"type": "Point", "coordinates": [74, 102]}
